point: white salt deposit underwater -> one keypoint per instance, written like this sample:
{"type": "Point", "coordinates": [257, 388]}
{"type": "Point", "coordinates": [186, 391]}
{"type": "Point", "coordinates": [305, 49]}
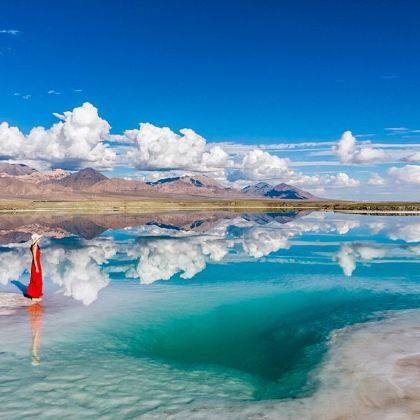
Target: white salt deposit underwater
{"type": "Point", "coordinates": [372, 372]}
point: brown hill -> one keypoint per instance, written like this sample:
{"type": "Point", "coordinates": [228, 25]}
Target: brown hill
{"type": "Point", "coordinates": [281, 191]}
{"type": "Point", "coordinates": [80, 180]}
{"type": "Point", "coordinates": [119, 186]}
{"type": "Point", "coordinates": [199, 185]}
{"type": "Point", "coordinates": [15, 169]}
{"type": "Point", "coordinates": [11, 187]}
{"type": "Point", "coordinates": [44, 177]}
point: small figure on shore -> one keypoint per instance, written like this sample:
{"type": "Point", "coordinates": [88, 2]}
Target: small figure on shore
{"type": "Point", "coordinates": [34, 291]}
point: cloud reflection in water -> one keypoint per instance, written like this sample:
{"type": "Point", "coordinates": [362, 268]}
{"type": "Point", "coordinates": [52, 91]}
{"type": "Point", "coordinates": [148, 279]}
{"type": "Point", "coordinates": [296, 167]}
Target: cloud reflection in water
{"type": "Point", "coordinates": [183, 244]}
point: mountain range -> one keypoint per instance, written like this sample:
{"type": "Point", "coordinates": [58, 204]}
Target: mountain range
{"type": "Point", "coordinates": [281, 191]}
{"type": "Point", "coordinates": [22, 181]}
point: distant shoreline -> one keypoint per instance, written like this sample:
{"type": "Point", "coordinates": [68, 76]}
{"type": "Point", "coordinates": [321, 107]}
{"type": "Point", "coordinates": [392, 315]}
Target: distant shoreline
{"type": "Point", "coordinates": [239, 205]}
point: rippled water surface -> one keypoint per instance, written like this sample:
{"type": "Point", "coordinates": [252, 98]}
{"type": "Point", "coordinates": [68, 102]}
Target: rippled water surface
{"type": "Point", "coordinates": [179, 313]}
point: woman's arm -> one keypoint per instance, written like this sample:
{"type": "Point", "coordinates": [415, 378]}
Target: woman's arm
{"type": "Point", "coordinates": [34, 248]}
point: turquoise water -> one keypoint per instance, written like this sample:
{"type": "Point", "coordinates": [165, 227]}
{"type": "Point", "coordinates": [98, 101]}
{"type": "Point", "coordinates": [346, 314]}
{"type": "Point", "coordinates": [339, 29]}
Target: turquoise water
{"type": "Point", "coordinates": [186, 311]}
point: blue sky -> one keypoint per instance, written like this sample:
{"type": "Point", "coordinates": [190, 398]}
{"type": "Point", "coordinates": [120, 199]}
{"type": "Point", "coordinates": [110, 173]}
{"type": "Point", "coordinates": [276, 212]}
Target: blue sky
{"type": "Point", "coordinates": [243, 72]}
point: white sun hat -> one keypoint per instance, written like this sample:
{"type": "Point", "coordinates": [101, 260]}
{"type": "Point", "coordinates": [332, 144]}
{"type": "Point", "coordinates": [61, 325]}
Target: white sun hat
{"type": "Point", "coordinates": [35, 237]}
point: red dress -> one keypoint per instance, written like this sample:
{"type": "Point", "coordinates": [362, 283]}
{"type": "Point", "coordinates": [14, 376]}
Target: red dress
{"type": "Point", "coordinates": [35, 284]}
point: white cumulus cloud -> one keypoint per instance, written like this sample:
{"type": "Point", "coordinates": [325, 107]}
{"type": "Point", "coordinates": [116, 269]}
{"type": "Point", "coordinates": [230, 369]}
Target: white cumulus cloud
{"type": "Point", "coordinates": [409, 174]}
{"type": "Point", "coordinates": [76, 140]}
{"type": "Point", "coordinates": [343, 180]}
{"type": "Point", "coordinates": [258, 164]}
{"type": "Point", "coordinates": [349, 253]}
{"type": "Point", "coordinates": [13, 264]}
{"type": "Point", "coordinates": [78, 271]}
{"type": "Point", "coordinates": [161, 148]}
{"type": "Point", "coordinates": [346, 259]}
{"type": "Point", "coordinates": [81, 138]}
{"type": "Point", "coordinates": [348, 151]}
{"type": "Point", "coordinates": [407, 233]}
{"type": "Point", "coordinates": [259, 242]}
{"type": "Point", "coordinates": [162, 259]}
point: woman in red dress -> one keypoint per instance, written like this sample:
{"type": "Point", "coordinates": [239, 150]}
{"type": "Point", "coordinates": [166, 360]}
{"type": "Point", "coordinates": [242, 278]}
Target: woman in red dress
{"type": "Point", "coordinates": [34, 290]}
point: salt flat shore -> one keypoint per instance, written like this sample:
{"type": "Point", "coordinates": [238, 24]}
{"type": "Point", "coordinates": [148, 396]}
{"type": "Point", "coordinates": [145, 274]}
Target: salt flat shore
{"type": "Point", "coordinates": [138, 206]}
{"type": "Point", "coordinates": [372, 372]}
{"type": "Point", "coordinates": [382, 212]}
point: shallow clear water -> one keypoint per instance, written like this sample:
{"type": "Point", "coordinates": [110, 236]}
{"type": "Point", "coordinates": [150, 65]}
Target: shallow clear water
{"type": "Point", "coordinates": [147, 315]}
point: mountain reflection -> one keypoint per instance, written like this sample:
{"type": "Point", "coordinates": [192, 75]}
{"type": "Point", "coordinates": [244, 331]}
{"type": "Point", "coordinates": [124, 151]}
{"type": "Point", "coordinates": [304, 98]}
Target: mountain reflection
{"type": "Point", "coordinates": [83, 253]}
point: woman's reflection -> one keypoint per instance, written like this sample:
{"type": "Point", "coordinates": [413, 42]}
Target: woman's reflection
{"type": "Point", "coordinates": [35, 317]}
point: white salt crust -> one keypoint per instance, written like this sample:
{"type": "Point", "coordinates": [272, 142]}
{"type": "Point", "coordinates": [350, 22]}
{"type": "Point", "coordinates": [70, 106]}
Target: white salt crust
{"type": "Point", "coordinates": [372, 372]}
